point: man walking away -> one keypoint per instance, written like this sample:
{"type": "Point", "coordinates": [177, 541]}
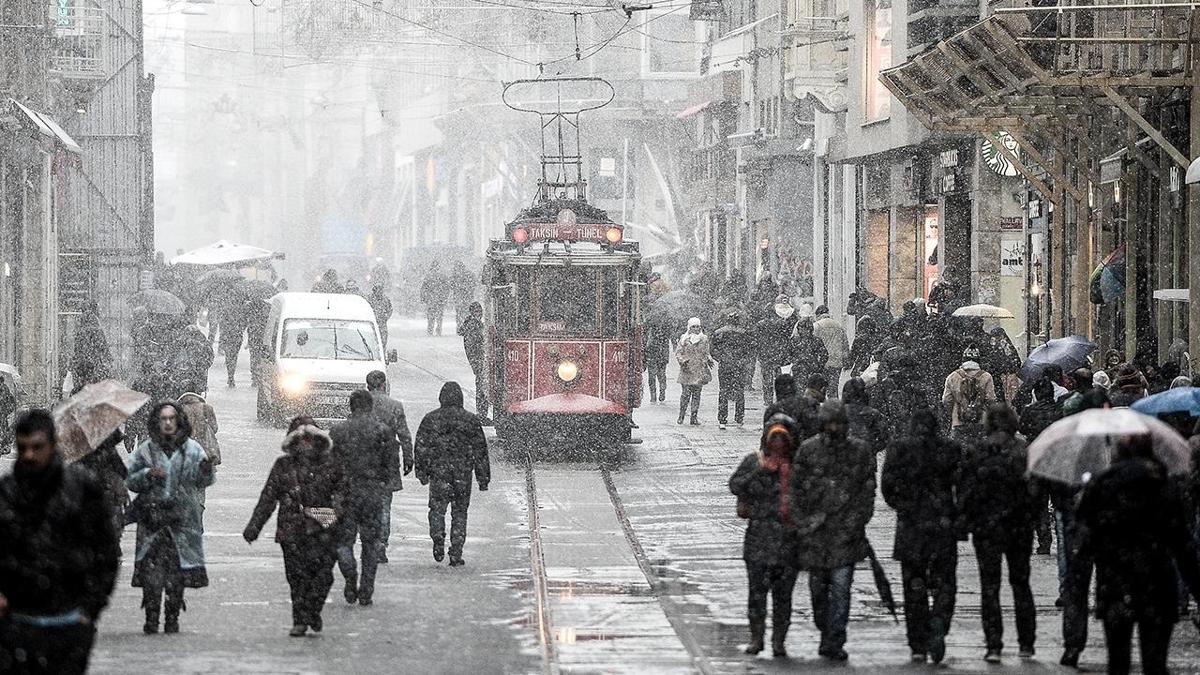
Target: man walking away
{"type": "Point", "coordinates": [837, 346]}
{"type": "Point", "coordinates": [58, 556]}
{"type": "Point", "coordinates": [835, 497]}
{"type": "Point", "coordinates": [920, 481]}
{"type": "Point", "coordinates": [808, 352]}
{"type": "Point", "coordinates": [381, 305]}
{"type": "Point", "coordinates": [471, 330]}
{"type": "Point", "coordinates": [434, 292]}
{"type": "Point", "coordinates": [656, 354]}
{"type": "Point", "coordinates": [1135, 528]}
{"type": "Point", "coordinates": [390, 413]}
{"type": "Point", "coordinates": [202, 419]}
{"type": "Point", "coordinates": [1036, 418]}
{"type": "Point", "coordinates": [967, 393]}
{"type": "Point", "coordinates": [866, 423]}
{"type": "Point", "coordinates": [370, 460]}
{"type": "Point", "coordinates": [998, 512]}
{"type": "Point", "coordinates": [733, 348]}
{"type": "Point", "coordinates": [773, 334]}
{"type": "Point", "coordinates": [450, 448]}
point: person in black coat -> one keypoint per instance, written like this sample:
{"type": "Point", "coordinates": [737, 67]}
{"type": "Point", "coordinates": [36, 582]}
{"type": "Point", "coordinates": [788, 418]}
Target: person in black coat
{"type": "Point", "coordinates": [369, 456]}
{"type": "Point", "coordinates": [866, 423]}
{"type": "Point", "coordinates": [109, 470]}
{"type": "Point", "coordinates": [921, 482]}
{"type": "Point", "coordinates": [1036, 418]}
{"type": "Point", "coordinates": [867, 339]}
{"type": "Point", "coordinates": [306, 484]}
{"type": "Point", "coordinates": [656, 354]}
{"type": "Point", "coordinates": [773, 335]}
{"type": "Point", "coordinates": [58, 556]}
{"type": "Point", "coordinates": [796, 405]}
{"type": "Point", "coordinates": [390, 413]}
{"type": "Point", "coordinates": [91, 360]}
{"type": "Point", "coordinates": [762, 483]}
{"type": "Point", "coordinates": [733, 349]}
{"type": "Point", "coordinates": [450, 448]}
{"type": "Point", "coordinates": [472, 331]}
{"type": "Point", "coordinates": [1133, 526]}
{"type": "Point", "coordinates": [808, 352]}
{"type": "Point", "coordinates": [381, 306]}
{"type": "Point", "coordinates": [998, 509]}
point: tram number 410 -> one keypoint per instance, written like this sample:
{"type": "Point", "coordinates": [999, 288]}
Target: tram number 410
{"type": "Point", "coordinates": [617, 356]}
{"type": "Point", "coordinates": [515, 355]}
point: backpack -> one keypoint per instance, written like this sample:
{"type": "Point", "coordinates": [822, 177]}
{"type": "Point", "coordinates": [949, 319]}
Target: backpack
{"type": "Point", "coordinates": [971, 401]}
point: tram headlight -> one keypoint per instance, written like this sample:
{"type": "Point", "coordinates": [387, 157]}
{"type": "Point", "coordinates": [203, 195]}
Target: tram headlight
{"type": "Point", "coordinates": [613, 235]}
{"type": "Point", "coordinates": [567, 371]}
{"type": "Point", "coordinates": [293, 385]}
{"type": "Point", "coordinates": [520, 235]}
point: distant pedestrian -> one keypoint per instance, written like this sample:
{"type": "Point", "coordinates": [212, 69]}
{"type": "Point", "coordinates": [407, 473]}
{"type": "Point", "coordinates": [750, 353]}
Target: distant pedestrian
{"type": "Point", "coordinates": [352, 287]}
{"type": "Point", "coordinates": [58, 556]}
{"type": "Point", "coordinates": [450, 448]}
{"type": "Point", "coordinates": [733, 348]}
{"type": "Point", "coordinates": [381, 305]}
{"type": "Point", "coordinates": [390, 413]}
{"type": "Point", "coordinates": [837, 347]}
{"type": "Point", "coordinates": [1134, 528]}
{"type": "Point", "coordinates": [835, 498]}
{"type": "Point", "coordinates": [773, 333]}
{"type": "Point", "coordinates": [998, 509]}
{"type": "Point", "coordinates": [763, 484]}
{"type": "Point", "coordinates": [1000, 358]}
{"type": "Point", "coordinates": [91, 359]}
{"type": "Point", "coordinates": [462, 290]}
{"type": "Point", "coordinates": [191, 360]}
{"type": "Point", "coordinates": [967, 393]}
{"type": "Point", "coordinates": [809, 354]}
{"type": "Point", "coordinates": [1036, 418]}
{"type": "Point", "coordinates": [695, 369]}
{"type": "Point", "coordinates": [233, 331]}
{"type": "Point", "coordinates": [369, 456]}
{"type": "Point", "coordinates": [258, 313]}
{"type": "Point", "coordinates": [471, 329]}
{"type": "Point", "coordinates": [920, 481]}
{"type": "Point", "coordinates": [656, 354]}
{"type": "Point", "coordinates": [1112, 363]}
{"type": "Point", "coordinates": [1083, 382]}
{"type": "Point", "coordinates": [1128, 386]}
{"type": "Point", "coordinates": [867, 339]}
{"type": "Point", "coordinates": [170, 472]}
{"type": "Point", "coordinates": [866, 423]}
{"type": "Point", "coordinates": [435, 290]}
{"type": "Point", "coordinates": [328, 283]}
{"type": "Point", "coordinates": [306, 485]}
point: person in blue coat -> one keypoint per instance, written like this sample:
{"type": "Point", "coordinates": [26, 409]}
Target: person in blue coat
{"type": "Point", "coordinates": [170, 472]}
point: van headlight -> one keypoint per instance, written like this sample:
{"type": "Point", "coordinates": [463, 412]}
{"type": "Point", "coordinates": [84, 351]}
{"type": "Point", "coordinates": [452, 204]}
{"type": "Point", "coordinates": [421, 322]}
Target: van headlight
{"type": "Point", "coordinates": [293, 385]}
{"type": "Point", "coordinates": [567, 371]}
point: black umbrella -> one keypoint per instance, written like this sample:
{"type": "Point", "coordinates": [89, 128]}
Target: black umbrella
{"type": "Point", "coordinates": [882, 584]}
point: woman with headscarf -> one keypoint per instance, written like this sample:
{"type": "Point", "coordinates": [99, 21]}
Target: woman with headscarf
{"type": "Point", "coordinates": [170, 472]}
{"type": "Point", "coordinates": [762, 483]}
{"type": "Point", "coordinates": [306, 485]}
{"type": "Point", "coordinates": [695, 368]}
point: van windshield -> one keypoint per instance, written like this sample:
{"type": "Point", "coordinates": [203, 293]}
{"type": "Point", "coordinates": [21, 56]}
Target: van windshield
{"type": "Point", "coordinates": [329, 339]}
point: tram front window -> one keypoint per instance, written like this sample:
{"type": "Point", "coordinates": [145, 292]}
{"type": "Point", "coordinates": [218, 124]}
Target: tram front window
{"type": "Point", "coordinates": [567, 302]}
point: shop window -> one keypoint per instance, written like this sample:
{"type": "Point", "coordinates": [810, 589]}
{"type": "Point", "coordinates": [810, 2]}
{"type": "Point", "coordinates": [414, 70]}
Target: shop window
{"type": "Point", "coordinates": [879, 226]}
{"type": "Point", "coordinates": [877, 103]}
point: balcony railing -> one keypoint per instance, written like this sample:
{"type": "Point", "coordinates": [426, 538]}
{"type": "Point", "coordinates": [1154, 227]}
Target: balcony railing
{"type": "Point", "coordinates": [80, 36]}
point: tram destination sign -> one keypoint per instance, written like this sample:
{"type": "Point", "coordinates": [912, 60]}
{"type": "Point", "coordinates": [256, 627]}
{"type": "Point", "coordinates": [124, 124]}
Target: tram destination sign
{"type": "Point", "coordinates": [564, 231]}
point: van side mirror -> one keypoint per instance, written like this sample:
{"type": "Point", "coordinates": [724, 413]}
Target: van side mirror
{"type": "Point", "coordinates": [393, 356]}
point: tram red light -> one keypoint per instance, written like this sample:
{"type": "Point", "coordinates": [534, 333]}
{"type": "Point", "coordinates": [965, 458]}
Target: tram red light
{"type": "Point", "coordinates": [520, 235]}
{"type": "Point", "coordinates": [613, 235]}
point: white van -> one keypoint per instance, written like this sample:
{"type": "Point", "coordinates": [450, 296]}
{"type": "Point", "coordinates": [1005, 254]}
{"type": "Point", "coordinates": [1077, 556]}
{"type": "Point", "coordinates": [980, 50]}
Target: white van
{"type": "Point", "coordinates": [319, 348]}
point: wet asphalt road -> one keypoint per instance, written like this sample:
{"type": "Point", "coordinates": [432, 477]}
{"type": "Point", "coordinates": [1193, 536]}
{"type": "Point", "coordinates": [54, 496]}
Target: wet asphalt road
{"type": "Point", "coordinates": [633, 565]}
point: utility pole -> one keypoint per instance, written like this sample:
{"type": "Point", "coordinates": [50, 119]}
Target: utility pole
{"type": "Point", "coordinates": [1193, 213]}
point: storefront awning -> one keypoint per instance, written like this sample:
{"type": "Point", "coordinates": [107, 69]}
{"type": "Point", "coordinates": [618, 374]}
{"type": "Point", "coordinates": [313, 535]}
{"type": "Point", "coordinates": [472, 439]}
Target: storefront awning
{"type": "Point", "coordinates": [688, 112]}
{"type": "Point", "coordinates": [1172, 295]}
{"type": "Point", "coordinates": [46, 126]}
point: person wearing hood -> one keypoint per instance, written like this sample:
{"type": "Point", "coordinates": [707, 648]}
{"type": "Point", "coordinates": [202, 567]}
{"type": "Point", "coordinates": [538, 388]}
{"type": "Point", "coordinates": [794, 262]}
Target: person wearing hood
{"type": "Point", "coordinates": [450, 449]}
{"type": "Point", "coordinates": [656, 354]}
{"type": "Point", "coordinates": [866, 423]}
{"type": "Point", "coordinates": [1000, 358]}
{"type": "Point", "coordinates": [390, 413]}
{"type": "Point", "coordinates": [91, 360]}
{"type": "Point", "coordinates": [920, 480]}
{"type": "Point", "coordinates": [967, 392]}
{"type": "Point", "coordinates": [190, 361]}
{"type": "Point", "coordinates": [59, 556]}
{"type": "Point", "coordinates": [809, 354]}
{"type": "Point", "coordinates": [169, 472]}
{"type": "Point", "coordinates": [1112, 363]}
{"type": "Point", "coordinates": [834, 493]}
{"type": "Point", "coordinates": [837, 347]}
{"type": "Point", "coordinates": [773, 334]}
{"type": "Point", "coordinates": [796, 405]}
{"type": "Point", "coordinates": [998, 510]}
{"type": "Point", "coordinates": [306, 485]}
{"type": "Point", "coordinates": [733, 348]}
{"type": "Point", "coordinates": [202, 419]}
{"type": "Point", "coordinates": [762, 484]}
{"type": "Point", "coordinates": [867, 339]}
{"type": "Point", "coordinates": [369, 455]}
{"type": "Point", "coordinates": [695, 369]}
{"type": "Point", "coordinates": [1134, 527]}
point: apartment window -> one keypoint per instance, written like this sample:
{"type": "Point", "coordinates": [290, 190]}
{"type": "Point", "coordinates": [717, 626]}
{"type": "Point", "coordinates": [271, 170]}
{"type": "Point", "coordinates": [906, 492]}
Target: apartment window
{"type": "Point", "coordinates": [878, 16]}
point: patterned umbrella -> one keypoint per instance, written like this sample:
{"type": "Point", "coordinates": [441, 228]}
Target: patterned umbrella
{"type": "Point", "coordinates": [88, 417]}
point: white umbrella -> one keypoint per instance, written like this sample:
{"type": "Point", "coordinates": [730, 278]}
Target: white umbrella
{"type": "Point", "coordinates": [88, 417]}
{"type": "Point", "coordinates": [224, 252]}
{"type": "Point", "coordinates": [1074, 449]}
{"type": "Point", "coordinates": [985, 311]}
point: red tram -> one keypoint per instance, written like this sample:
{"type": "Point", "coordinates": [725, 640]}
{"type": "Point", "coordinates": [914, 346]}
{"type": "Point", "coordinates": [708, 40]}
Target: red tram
{"type": "Point", "coordinates": [564, 303]}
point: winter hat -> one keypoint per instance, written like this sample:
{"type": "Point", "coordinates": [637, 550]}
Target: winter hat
{"type": "Point", "coordinates": [1128, 377]}
{"type": "Point", "coordinates": [971, 353]}
{"type": "Point", "coordinates": [970, 365]}
{"type": "Point", "coordinates": [806, 310]}
{"type": "Point", "coordinates": [783, 299]}
{"type": "Point", "coordinates": [1101, 379]}
{"type": "Point", "coordinates": [693, 322]}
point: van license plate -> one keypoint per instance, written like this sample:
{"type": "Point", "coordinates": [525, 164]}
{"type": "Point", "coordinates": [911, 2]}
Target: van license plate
{"type": "Point", "coordinates": [331, 400]}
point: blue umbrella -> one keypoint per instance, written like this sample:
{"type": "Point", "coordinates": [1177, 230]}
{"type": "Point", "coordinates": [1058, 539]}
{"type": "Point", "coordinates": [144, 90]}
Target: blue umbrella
{"type": "Point", "coordinates": [1068, 353]}
{"type": "Point", "coordinates": [1180, 399]}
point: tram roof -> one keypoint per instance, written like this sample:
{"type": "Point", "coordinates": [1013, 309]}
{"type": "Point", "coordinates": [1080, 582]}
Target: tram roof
{"type": "Point", "coordinates": [564, 253]}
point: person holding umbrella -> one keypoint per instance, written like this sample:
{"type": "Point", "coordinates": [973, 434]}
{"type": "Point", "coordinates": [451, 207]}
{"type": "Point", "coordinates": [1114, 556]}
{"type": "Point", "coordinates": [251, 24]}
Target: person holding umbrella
{"type": "Point", "coordinates": [1134, 529]}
